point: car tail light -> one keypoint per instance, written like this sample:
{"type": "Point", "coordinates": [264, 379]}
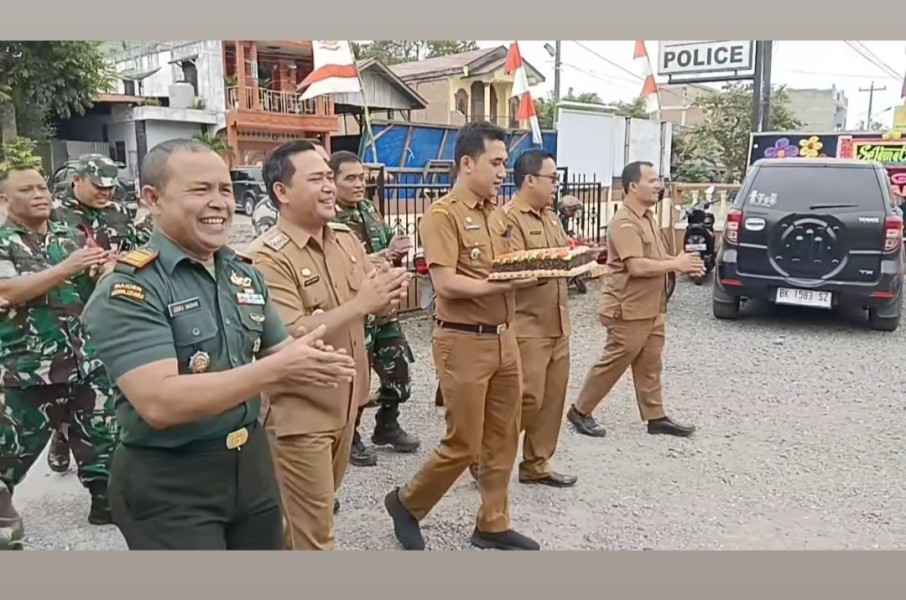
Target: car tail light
{"type": "Point", "coordinates": [893, 234]}
{"type": "Point", "coordinates": [731, 229]}
{"type": "Point", "coordinates": [421, 265]}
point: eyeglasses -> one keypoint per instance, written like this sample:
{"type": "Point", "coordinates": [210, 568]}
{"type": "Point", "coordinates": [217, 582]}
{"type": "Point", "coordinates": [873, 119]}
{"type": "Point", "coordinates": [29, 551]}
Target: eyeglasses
{"type": "Point", "coordinates": [555, 178]}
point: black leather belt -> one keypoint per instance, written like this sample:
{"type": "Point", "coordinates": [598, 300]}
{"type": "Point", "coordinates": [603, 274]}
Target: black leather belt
{"type": "Point", "coordinates": [470, 328]}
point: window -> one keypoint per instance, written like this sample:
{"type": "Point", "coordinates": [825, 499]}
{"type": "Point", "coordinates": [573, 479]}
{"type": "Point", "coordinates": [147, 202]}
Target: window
{"type": "Point", "coordinates": [798, 188]}
{"type": "Point", "coordinates": [129, 88]}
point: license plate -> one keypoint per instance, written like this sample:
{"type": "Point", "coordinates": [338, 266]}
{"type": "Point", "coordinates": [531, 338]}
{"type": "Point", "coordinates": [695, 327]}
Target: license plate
{"type": "Point", "coordinates": [808, 298]}
{"type": "Point", "coordinates": [696, 247]}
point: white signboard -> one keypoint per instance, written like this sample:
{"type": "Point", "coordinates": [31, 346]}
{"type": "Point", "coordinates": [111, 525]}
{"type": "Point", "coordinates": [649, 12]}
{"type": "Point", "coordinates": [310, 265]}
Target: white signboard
{"type": "Point", "coordinates": [585, 143]}
{"type": "Point", "coordinates": [684, 59]}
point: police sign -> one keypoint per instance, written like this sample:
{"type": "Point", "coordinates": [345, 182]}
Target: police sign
{"type": "Point", "coordinates": [682, 59]}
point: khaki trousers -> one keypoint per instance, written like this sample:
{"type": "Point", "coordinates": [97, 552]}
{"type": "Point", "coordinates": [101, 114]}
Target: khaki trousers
{"type": "Point", "coordinates": [310, 468]}
{"type": "Point", "coordinates": [545, 376]}
{"type": "Point", "coordinates": [638, 344]}
{"type": "Point", "coordinates": [481, 380]}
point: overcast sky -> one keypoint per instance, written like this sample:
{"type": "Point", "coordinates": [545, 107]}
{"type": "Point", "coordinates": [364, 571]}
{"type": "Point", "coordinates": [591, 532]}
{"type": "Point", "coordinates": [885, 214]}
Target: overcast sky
{"type": "Point", "coordinates": [797, 64]}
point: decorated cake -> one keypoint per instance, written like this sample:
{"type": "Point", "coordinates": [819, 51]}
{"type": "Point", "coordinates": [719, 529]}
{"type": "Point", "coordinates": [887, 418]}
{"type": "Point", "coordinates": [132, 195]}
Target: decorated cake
{"type": "Point", "coordinates": [544, 263]}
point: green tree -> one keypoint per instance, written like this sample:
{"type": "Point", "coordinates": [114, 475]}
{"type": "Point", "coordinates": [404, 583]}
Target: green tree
{"type": "Point", "coordinates": [19, 153]}
{"type": "Point", "coordinates": [48, 80]}
{"type": "Point", "coordinates": [215, 142]}
{"type": "Point", "coordinates": [720, 143]}
{"type": "Point", "coordinates": [547, 115]}
{"type": "Point", "coordinates": [392, 52]}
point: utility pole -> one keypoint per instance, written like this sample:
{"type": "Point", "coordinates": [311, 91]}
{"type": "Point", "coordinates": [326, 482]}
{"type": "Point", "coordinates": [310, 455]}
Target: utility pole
{"type": "Point", "coordinates": [871, 97]}
{"type": "Point", "coordinates": [767, 57]}
{"type": "Point", "coordinates": [556, 71]}
{"type": "Point", "coordinates": [757, 78]}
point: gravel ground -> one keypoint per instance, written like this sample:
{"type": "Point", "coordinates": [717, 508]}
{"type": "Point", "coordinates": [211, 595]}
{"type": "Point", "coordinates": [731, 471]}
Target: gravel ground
{"type": "Point", "coordinates": [798, 447]}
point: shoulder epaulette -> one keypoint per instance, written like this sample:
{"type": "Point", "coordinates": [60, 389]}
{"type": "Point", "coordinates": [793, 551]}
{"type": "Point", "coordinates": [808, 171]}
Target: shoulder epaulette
{"type": "Point", "coordinates": [339, 226]}
{"type": "Point", "coordinates": [138, 259]}
{"type": "Point", "coordinates": [276, 241]}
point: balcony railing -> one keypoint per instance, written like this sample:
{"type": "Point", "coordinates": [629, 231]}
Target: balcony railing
{"type": "Point", "coordinates": [286, 103]}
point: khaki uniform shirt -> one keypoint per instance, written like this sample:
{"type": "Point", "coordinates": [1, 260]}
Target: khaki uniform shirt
{"type": "Point", "coordinates": [541, 310]}
{"type": "Point", "coordinates": [304, 278]}
{"type": "Point", "coordinates": [464, 233]}
{"type": "Point", "coordinates": [633, 233]}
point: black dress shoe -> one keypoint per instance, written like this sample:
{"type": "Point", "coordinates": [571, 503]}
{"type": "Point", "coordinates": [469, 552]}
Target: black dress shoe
{"type": "Point", "coordinates": [438, 397]}
{"type": "Point", "coordinates": [406, 528]}
{"type": "Point", "coordinates": [473, 471]}
{"type": "Point", "coordinates": [585, 424]}
{"type": "Point", "coordinates": [504, 540]}
{"type": "Point", "coordinates": [666, 426]}
{"type": "Point", "coordinates": [361, 455]}
{"type": "Point", "coordinates": [559, 480]}
{"type": "Point", "coordinates": [336, 506]}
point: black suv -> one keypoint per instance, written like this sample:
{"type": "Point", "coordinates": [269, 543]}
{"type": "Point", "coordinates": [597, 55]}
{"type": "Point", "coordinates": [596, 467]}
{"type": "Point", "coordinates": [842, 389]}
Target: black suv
{"type": "Point", "coordinates": [248, 187]}
{"type": "Point", "coordinates": [818, 233]}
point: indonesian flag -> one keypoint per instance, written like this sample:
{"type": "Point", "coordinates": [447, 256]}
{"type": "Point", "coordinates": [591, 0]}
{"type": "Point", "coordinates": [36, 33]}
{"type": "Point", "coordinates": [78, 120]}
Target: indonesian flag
{"type": "Point", "coordinates": [335, 71]}
{"type": "Point", "coordinates": [649, 88]}
{"type": "Point", "coordinates": [526, 112]}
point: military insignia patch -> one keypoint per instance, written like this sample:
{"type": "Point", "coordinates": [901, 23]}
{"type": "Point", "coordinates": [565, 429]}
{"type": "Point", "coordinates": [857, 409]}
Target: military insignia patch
{"type": "Point", "coordinates": [127, 290]}
{"type": "Point", "coordinates": [277, 241]}
{"type": "Point", "coordinates": [257, 318]}
{"type": "Point", "coordinates": [138, 258]}
{"type": "Point", "coordinates": [311, 281]}
{"type": "Point", "coordinates": [199, 362]}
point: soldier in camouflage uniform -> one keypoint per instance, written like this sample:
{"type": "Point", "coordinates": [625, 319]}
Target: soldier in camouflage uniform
{"type": "Point", "coordinates": [47, 376]}
{"type": "Point", "coordinates": [88, 205]}
{"type": "Point", "coordinates": [389, 350]}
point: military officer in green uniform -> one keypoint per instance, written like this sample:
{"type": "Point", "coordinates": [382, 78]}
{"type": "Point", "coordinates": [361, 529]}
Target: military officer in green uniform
{"type": "Point", "coordinates": [89, 206]}
{"type": "Point", "coordinates": [46, 375]}
{"type": "Point", "coordinates": [186, 328]}
{"type": "Point", "coordinates": [389, 351]}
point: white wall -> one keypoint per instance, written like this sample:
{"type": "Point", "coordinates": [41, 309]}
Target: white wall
{"type": "Point", "coordinates": [585, 143]}
{"type": "Point", "coordinates": [161, 131]}
{"type": "Point", "coordinates": [209, 65]}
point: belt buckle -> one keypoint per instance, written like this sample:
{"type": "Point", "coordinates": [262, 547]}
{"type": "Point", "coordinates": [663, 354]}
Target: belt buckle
{"type": "Point", "coordinates": [237, 439]}
{"type": "Point", "coordinates": [501, 329]}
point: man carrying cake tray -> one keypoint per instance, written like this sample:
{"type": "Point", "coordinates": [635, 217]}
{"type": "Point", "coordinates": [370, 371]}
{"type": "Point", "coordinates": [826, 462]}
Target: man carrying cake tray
{"type": "Point", "coordinates": [541, 321]}
{"type": "Point", "coordinates": [633, 307]}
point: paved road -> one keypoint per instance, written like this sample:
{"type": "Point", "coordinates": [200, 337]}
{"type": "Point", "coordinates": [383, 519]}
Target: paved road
{"type": "Point", "coordinates": [800, 445]}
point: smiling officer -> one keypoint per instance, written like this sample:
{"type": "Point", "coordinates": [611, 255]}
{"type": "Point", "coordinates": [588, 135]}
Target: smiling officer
{"type": "Point", "coordinates": [186, 328]}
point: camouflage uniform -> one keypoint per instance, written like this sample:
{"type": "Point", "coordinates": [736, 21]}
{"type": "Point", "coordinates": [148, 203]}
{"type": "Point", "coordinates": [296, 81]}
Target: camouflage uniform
{"type": "Point", "coordinates": [47, 376]}
{"type": "Point", "coordinates": [112, 228]}
{"type": "Point", "coordinates": [388, 349]}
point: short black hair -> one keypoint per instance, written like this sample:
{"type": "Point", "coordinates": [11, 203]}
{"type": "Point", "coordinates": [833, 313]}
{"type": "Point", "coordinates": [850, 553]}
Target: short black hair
{"type": "Point", "coordinates": [279, 167]}
{"type": "Point", "coordinates": [315, 141]}
{"type": "Point", "coordinates": [342, 157]}
{"type": "Point", "coordinates": [632, 173]}
{"type": "Point", "coordinates": [470, 141]}
{"type": "Point", "coordinates": [155, 169]}
{"type": "Point", "coordinates": [529, 163]}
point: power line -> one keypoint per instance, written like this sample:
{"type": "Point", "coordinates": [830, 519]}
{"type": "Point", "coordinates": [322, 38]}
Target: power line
{"type": "Point", "coordinates": [886, 69]}
{"type": "Point", "coordinates": [877, 58]}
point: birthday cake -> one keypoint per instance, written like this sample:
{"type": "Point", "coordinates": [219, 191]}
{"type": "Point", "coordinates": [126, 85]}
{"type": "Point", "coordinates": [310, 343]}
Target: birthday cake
{"type": "Point", "coordinates": [544, 263]}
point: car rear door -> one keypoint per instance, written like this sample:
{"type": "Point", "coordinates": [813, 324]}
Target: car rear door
{"type": "Point", "coordinates": [821, 221]}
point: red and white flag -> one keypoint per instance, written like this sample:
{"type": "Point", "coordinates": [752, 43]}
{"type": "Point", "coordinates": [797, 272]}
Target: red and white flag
{"type": "Point", "coordinates": [335, 71]}
{"type": "Point", "coordinates": [516, 67]}
{"type": "Point", "coordinates": [649, 87]}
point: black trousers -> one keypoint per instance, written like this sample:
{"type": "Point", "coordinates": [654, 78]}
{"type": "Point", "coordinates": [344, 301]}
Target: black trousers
{"type": "Point", "coordinates": [202, 496]}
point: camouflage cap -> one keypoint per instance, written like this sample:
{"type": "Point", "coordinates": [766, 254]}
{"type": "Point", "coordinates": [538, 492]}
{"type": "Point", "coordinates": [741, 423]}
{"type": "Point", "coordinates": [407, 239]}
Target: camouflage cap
{"type": "Point", "coordinates": [99, 169]}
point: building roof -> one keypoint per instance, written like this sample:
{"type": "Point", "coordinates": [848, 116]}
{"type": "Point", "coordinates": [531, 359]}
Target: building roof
{"type": "Point", "coordinates": [374, 64]}
{"type": "Point", "coordinates": [478, 62]}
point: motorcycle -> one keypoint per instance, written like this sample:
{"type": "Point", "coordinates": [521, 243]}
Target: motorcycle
{"type": "Point", "coordinates": [699, 236]}
{"type": "Point", "coordinates": [570, 207]}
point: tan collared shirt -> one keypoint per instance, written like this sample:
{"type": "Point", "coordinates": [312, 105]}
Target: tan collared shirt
{"type": "Point", "coordinates": [633, 233]}
{"type": "Point", "coordinates": [541, 310]}
{"type": "Point", "coordinates": [304, 278]}
{"type": "Point", "coordinates": [458, 232]}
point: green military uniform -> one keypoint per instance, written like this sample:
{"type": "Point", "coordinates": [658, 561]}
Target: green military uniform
{"type": "Point", "coordinates": [46, 374]}
{"type": "Point", "coordinates": [110, 227]}
{"type": "Point", "coordinates": [189, 486]}
{"type": "Point", "coordinates": [388, 349]}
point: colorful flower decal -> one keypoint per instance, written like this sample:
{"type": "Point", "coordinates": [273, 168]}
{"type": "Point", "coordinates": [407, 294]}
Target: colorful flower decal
{"type": "Point", "coordinates": [782, 149]}
{"type": "Point", "coordinates": [811, 148]}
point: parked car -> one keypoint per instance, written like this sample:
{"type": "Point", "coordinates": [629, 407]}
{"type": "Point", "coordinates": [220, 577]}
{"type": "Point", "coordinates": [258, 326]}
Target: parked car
{"type": "Point", "coordinates": [813, 232]}
{"type": "Point", "coordinates": [61, 180]}
{"type": "Point", "coordinates": [248, 188]}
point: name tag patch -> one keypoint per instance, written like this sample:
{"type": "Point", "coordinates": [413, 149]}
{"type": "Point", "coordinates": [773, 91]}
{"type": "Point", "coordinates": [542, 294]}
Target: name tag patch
{"type": "Point", "coordinates": [311, 281]}
{"type": "Point", "coordinates": [473, 227]}
{"type": "Point", "coordinates": [253, 299]}
{"type": "Point", "coordinates": [127, 290]}
{"type": "Point", "coordinates": [184, 306]}
{"type": "Point", "coordinates": [535, 232]}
